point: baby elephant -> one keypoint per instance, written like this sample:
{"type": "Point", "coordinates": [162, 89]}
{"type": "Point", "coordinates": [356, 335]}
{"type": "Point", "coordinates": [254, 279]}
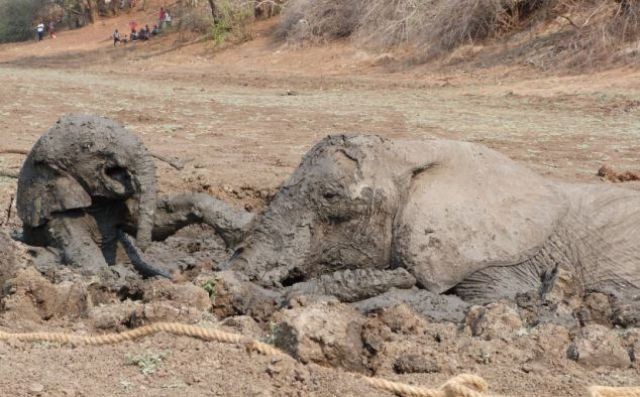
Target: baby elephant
{"type": "Point", "coordinates": [362, 214]}
{"type": "Point", "coordinates": [88, 182]}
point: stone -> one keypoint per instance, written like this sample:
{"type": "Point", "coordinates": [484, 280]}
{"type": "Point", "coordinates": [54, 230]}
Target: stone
{"type": "Point", "coordinates": [599, 346]}
{"type": "Point", "coordinates": [494, 321]}
{"type": "Point", "coordinates": [327, 334]}
{"type": "Point", "coordinates": [415, 363]}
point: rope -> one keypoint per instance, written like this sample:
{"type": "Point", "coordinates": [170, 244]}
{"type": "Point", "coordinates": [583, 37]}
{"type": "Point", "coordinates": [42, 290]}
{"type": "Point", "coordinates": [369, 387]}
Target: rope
{"type": "Point", "coordinates": [464, 385]}
{"type": "Point", "coordinates": [602, 391]}
{"type": "Point", "coordinates": [170, 328]}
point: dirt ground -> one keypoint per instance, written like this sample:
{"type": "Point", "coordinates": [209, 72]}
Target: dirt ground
{"type": "Point", "coordinates": [243, 117]}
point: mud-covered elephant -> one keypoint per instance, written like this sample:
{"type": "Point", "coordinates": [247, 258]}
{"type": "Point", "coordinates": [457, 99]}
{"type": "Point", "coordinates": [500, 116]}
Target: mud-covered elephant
{"type": "Point", "coordinates": [362, 214]}
{"type": "Point", "coordinates": [88, 182]}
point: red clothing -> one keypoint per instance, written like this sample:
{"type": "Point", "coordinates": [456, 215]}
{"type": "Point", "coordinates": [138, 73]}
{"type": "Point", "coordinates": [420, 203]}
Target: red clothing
{"type": "Point", "coordinates": [162, 15]}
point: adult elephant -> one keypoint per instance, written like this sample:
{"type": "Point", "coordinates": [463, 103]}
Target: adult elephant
{"type": "Point", "coordinates": [362, 214]}
{"type": "Point", "coordinates": [88, 182]}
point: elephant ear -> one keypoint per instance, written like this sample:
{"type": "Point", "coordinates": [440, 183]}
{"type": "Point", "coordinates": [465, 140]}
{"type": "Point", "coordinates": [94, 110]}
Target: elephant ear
{"type": "Point", "coordinates": [467, 208]}
{"type": "Point", "coordinates": [43, 191]}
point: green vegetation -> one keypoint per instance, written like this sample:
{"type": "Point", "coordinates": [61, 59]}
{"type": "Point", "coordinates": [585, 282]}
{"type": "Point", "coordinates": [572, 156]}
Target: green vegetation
{"type": "Point", "coordinates": [147, 362]}
{"type": "Point", "coordinates": [210, 287]}
{"type": "Point", "coordinates": [232, 21]}
{"type": "Point", "coordinates": [17, 19]}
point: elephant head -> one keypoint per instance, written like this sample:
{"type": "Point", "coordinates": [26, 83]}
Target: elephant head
{"type": "Point", "coordinates": [440, 209]}
{"type": "Point", "coordinates": [81, 162]}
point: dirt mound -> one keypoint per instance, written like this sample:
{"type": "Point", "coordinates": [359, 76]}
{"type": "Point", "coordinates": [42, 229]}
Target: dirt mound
{"type": "Point", "coordinates": [611, 175]}
{"type": "Point", "coordinates": [7, 256]}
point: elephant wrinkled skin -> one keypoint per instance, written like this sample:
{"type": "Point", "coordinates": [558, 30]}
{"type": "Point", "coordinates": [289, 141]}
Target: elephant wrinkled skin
{"type": "Point", "coordinates": [363, 213]}
{"type": "Point", "coordinates": [88, 181]}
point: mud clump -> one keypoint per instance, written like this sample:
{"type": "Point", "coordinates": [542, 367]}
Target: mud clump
{"type": "Point", "coordinates": [324, 333]}
{"type": "Point", "coordinates": [608, 173]}
{"type": "Point", "coordinates": [30, 298]}
{"type": "Point", "coordinates": [598, 346]}
{"type": "Point", "coordinates": [7, 258]}
{"type": "Point", "coordinates": [493, 321]}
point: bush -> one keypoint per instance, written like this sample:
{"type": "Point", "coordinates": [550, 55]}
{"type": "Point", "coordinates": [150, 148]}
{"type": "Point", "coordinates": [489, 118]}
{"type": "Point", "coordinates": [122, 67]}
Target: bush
{"type": "Point", "coordinates": [319, 20]}
{"type": "Point", "coordinates": [564, 33]}
{"type": "Point", "coordinates": [17, 19]}
{"type": "Point", "coordinates": [388, 23]}
{"type": "Point", "coordinates": [232, 21]}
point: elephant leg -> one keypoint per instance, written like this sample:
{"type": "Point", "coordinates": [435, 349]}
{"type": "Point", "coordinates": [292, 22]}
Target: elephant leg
{"type": "Point", "coordinates": [176, 212]}
{"type": "Point", "coordinates": [505, 282]}
{"type": "Point", "coordinates": [354, 285]}
{"type": "Point", "coordinates": [69, 232]}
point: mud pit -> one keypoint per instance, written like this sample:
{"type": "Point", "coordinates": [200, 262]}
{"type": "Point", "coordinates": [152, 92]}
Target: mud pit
{"type": "Point", "coordinates": [245, 134]}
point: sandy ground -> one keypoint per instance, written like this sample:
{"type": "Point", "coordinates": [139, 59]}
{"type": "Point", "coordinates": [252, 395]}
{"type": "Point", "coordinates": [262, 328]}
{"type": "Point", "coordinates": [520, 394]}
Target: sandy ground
{"type": "Point", "coordinates": [244, 117]}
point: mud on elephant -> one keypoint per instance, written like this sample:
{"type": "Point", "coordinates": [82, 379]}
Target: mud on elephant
{"type": "Point", "coordinates": [363, 214]}
{"type": "Point", "coordinates": [88, 183]}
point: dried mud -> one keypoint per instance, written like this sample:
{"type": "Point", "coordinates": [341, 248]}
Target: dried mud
{"type": "Point", "coordinates": [233, 116]}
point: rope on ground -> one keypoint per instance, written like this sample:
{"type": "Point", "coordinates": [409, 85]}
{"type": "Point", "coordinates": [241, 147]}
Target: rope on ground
{"type": "Point", "coordinates": [602, 391]}
{"type": "Point", "coordinates": [464, 385]}
{"type": "Point", "coordinates": [460, 386]}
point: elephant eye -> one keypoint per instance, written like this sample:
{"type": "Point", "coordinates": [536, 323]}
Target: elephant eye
{"type": "Point", "coordinates": [116, 172]}
{"type": "Point", "coordinates": [329, 195]}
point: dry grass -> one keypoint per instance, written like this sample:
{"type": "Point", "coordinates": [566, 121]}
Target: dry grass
{"type": "Point", "coordinates": [545, 33]}
{"type": "Point", "coordinates": [317, 21]}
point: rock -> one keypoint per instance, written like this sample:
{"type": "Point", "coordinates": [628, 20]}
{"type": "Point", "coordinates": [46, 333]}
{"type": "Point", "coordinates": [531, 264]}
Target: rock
{"type": "Point", "coordinates": [598, 346]}
{"type": "Point", "coordinates": [626, 314]}
{"type": "Point", "coordinates": [550, 340]}
{"type": "Point", "coordinates": [404, 320]}
{"type": "Point", "coordinates": [496, 320]}
{"type": "Point", "coordinates": [117, 316]}
{"type": "Point", "coordinates": [36, 389]}
{"type": "Point", "coordinates": [415, 363]}
{"type": "Point", "coordinates": [324, 333]}
{"type": "Point", "coordinates": [31, 296]}
{"type": "Point", "coordinates": [234, 295]}
{"type": "Point", "coordinates": [631, 339]}
{"type": "Point", "coordinates": [244, 325]}
{"type": "Point", "coordinates": [7, 258]}
{"type": "Point", "coordinates": [375, 336]}
{"type": "Point", "coordinates": [179, 294]}
{"type": "Point", "coordinates": [599, 308]}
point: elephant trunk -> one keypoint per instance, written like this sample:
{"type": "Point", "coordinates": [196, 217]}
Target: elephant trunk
{"type": "Point", "coordinates": [278, 245]}
{"type": "Point", "coordinates": [146, 180]}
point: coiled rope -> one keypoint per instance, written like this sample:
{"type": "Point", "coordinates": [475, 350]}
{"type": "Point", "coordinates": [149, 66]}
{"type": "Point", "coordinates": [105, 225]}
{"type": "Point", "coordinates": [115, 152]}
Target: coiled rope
{"type": "Point", "coordinates": [464, 385]}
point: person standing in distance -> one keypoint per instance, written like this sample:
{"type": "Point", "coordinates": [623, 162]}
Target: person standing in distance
{"type": "Point", "coordinates": [40, 31]}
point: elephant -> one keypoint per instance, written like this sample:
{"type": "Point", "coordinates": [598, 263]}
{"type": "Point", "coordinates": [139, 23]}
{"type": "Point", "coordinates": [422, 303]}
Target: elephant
{"type": "Point", "coordinates": [363, 214]}
{"type": "Point", "coordinates": [88, 182]}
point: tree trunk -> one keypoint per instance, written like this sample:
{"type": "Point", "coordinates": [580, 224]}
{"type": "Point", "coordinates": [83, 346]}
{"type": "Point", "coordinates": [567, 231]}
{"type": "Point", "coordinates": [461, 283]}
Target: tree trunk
{"type": "Point", "coordinates": [91, 10]}
{"type": "Point", "coordinates": [214, 10]}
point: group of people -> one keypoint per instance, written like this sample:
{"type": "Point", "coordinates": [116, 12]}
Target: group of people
{"type": "Point", "coordinates": [40, 28]}
{"type": "Point", "coordinates": [144, 33]}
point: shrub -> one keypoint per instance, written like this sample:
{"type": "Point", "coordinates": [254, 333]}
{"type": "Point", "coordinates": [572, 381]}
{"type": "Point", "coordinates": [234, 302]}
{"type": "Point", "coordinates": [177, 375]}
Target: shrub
{"type": "Point", "coordinates": [319, 20]}
{"type": "Point", "coordinates": [17, 18]}
{"type": "Point", "coordinates": [232, 21]}
{"type": "Point", "coordinates": [547, 33]}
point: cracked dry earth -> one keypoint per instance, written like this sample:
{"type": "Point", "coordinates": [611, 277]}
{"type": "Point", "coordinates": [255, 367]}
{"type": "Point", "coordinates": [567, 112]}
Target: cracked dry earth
{"type": "Point", "coordinates": [244, 118]}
